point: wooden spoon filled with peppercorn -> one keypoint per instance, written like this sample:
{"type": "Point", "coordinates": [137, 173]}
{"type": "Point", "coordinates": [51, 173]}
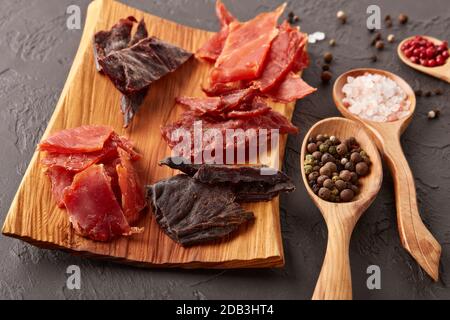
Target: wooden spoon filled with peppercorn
{"type": "Point", "coordinates": [426, 54]}
{"type": "Point", "coordinates": [342, 172]}
{"type": "Point", "coordinates": [414, 235]}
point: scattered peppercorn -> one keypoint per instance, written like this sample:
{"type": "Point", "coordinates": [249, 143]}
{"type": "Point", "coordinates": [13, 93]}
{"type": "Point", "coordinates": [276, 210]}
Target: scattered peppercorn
{"type": "Point", "coordinates": [326, 76]}
{"type": "Point", "coordinates": [390, 38]}
{"type": "Point", "coordinates": [432, 114]}
{"type": "Point", "coordinates": [296, 19]}
{"type": "Point", "coordinates": [379, 45]}
{"type": "Point", "coordinates": [389, 24]}
{"type": "Point", "coordinates": [418, 92]}
{"type": "Point", "coordinates": [332, 42]}
{"type": "Point", "coordinates": [428, 94]}
{"type": "Point", "coordinates": [333, 168]}
{"type": "Point", "coordinates": [326, 67]}
{"type": "Point", "coordinates": [402, 18]}
{"type": "Point", "coordinates": [438, 91]}
{"type": "Point", "coordinates": [341, 16]}
{"type": "Point", "coordinates": [328, 57]}
{"type": "Point", "coordinates": [374, 58]}
{"type": "Point", "coordinates": [387, 18]}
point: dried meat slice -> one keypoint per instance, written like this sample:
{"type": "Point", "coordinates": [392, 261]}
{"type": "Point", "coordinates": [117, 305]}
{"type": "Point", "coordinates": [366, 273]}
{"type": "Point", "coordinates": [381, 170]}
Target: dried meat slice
{"type": "Point", "coordinates": [217, 105]}
{"type": "Point", "coordinates": [133, 195]}
{"type": "Point", "coordinates": [257, 108]}
{"type": "Point", "coordinates": [246, 48]}
{"type": "Point", "coordinates": [212, 49]}
{"type": "Point", "coordinates": [115, 39]}
{"type": "Point", "coordinates": [77, 140]}
{"type": "Point", "coordinates": [291, 89]}
{"type": "Point", "coordinates": [140, 34]}
{"type": "Point", "coordinates": [286, 49]}
{"type": "Point", "coordinates": [191, 212]}
{"type": "Point", "coordinates": [60, 179]}
{"type": "Point", "coordinates": [129, 105]}
{"type": "Point", "coordinates": [134, 69]}
{"type": "Point", "coordinates": [92, 206]}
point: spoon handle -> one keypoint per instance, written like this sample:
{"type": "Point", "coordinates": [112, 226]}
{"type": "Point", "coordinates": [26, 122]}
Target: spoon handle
{"type": "Point", "coordinates": [414, 235]}
{"type": "Point", "coordinates": [335, 282]}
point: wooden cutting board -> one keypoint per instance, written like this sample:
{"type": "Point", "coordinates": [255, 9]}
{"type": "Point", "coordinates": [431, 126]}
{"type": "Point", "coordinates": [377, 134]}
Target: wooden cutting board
{"type": "Point", "coordinates": [90, 98]}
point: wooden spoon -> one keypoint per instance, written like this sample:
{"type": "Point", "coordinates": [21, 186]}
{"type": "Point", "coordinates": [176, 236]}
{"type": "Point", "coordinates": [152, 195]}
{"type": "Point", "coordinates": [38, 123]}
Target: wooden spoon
{"type": "Point", "coordinates": [415, 237]}
{"type": "Point", "coordinates": [335, 282]}
{"type": "Point", "coordinates": [441, 72]}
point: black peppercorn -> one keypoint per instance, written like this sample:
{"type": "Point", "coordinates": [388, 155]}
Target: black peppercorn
{"type": "Point", "coordinates": [326, 76]}
{"type": "Point", "coordinates": [328, 57]}
{"type": "Point", "coordinates": [402, 18]}
{"type": "Point", "coordinates": [418, 92]}
{"type": "Point", "coordinates": [326, 67]}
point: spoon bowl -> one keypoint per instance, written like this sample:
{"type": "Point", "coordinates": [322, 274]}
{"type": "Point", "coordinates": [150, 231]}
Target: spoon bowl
{"type": "Point", "coordinates": [440, 72]}
{"type": "Point", "coordinates": [415, 237]}
{"type": "Point", "coordinates": [334, 282]}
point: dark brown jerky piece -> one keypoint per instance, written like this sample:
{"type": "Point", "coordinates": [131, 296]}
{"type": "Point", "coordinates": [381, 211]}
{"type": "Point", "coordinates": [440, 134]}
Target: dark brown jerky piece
{"type": "Point", "coordinates": [179, 163]}
{"type": "Point", "coordinates": [129, 105]}
{"type": "Point", "coordinates": [249, 183]}
{"type": "Point", "coordinates": [117, 38]}
{"type": "Point", "coordinates": [191, 212]}
{"type": "Point", "coordinates": [141, 33]}
{"type": "Point", "coordinates": [134, 69]}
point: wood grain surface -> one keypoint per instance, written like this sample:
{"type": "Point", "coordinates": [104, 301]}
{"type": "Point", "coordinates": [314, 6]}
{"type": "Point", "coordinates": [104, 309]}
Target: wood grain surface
{"type": "Point", "coordinates": [90, 98]}
{"type": "Point", "coordinates": [335, 281]}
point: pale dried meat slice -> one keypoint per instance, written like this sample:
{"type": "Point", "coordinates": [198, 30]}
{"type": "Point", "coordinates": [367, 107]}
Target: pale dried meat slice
{"type": "Point", "coordinates": [246, 48]}
{"type": "Point", "coordinates": [291, 89]}
{"type": "Point", "coordinates": [87, 138]}
{"type": "Point", "coordinates": [191, 212]}
{"type": "Point", "coordinates": [224, 15]}
{"type": "Point", "coordinates": [212, 49]}
{"type": "Point", "coordinates": [60, 179]}
{"type": "Point", "coordinates": [79, 161]}
{"type": "Point", "coordinates": [217, 105]}
{"type": "Point", "coordinates": [133, 196]}
{"type": "Point", "coordinates": [93, 208]}
{"type": "Point", "coordinates": [134, 69]}
{"type": "Point", "coordinates": [286, 49]}
{"type": "Point", "coordinates": [117, 38]}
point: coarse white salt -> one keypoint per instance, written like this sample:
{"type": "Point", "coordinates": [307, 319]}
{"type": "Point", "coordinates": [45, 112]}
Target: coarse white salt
{"type": "Point", "coordinates": [375, 97]}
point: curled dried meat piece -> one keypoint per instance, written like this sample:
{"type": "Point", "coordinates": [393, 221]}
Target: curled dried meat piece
{"type": "Point", "coordinates": [191, 212]}
{"type": "Point", "coordinates": [76, 140]}
{"type": "Point", "coordinates": [249, 183]}
{"type": "Point", "coordinates": [134, 69]}
{"type": "Point", "coordinates": [60, 179]}
{"type": "Point", "coordinates": [212, 49]}
{"type": "Point", "coordinates": [129, 105]}
{"type": "Point", "coordinates": [93, 208]}
{"type": "Point", "coordinates": [141, 33]}
{"type": "Point", "coordinates": [115, 39]}
{"type": "Point", "coordinates": [292, 88]}
{"type": "Point", "coordinates": [133, 196]}
{"type": "Point", "coordinates": [257, 108]}
{"type": "Point", "coordinates": [246, 48]}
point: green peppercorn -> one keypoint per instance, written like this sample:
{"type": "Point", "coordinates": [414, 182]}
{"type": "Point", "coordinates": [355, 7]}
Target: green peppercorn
{"type": "Point", "coordinates": [335, 192]}
{"type": "Point", "coordinates": [308, 169]}
{"type": "Point", "coordinates": [323, 147]}
{"type": "Point", "coordinates": [363, 153]}
{"type": "Point", "coordinates": [309, 159]}
{"type": "Point", "coordinates": [336, 178]}
{"type": "Point", "coordinates": [332, 150]}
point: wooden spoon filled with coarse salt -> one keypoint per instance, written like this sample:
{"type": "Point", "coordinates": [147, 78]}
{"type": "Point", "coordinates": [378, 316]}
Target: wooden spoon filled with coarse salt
{"type": "Point", "coordinates": [426, 54]}
{"type": "Point", "coordinates": [384, 103]}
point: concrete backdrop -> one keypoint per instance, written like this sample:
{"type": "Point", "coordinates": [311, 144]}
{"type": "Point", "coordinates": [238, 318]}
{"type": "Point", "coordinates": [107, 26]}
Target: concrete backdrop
{"type": "Point", "coordinates": [36, 54]}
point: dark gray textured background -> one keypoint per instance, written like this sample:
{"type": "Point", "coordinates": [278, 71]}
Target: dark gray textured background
{"type": "Point", "coordinates": [36, 52]}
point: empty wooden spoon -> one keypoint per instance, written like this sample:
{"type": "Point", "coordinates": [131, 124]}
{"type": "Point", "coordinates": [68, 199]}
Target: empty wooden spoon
{"type": "Point", "coordinates": [415, 237]}
{"type": "Point", "coordinates": [334, 281]}
{"type": "Point", "coordinates": [441, 72]}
